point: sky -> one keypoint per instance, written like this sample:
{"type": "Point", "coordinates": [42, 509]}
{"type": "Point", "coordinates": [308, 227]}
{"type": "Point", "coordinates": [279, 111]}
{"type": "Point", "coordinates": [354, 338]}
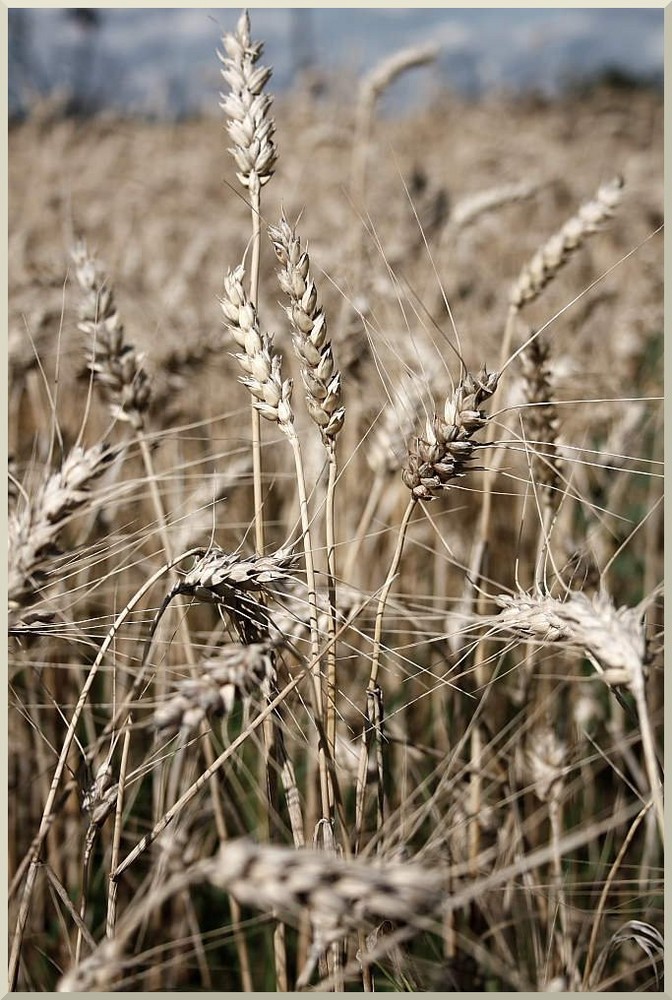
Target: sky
{"type": "Point", "coordinates": [162, 62]}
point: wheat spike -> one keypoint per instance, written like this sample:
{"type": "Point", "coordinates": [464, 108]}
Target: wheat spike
{"type": "Point", "coordinates": [116, 365]}
{"type": "Point", "coordinates": [258, 359]}
{"type": "Point", "coordinates": [35, 527]}
{"type": "Point", "coordinates": [548, 260]}
{"type": "Point", "coordinates": [250, 125]}
{"type": "Point", "coordinates": [236, 671]}
{"type": "Point", "coordinates": [444, 452]}
{"type": "Point", "coordinates": [322, 382]}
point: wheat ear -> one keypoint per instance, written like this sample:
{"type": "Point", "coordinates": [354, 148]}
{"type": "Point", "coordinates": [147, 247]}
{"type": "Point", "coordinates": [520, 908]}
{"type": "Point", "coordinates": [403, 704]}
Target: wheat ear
{"type": "Point", "coordinates": [34, 528]}
{"type": "Point", "coordinates": [251, 129]}
{"type": "Point", "coordinates": [271, 396]}
{"type": "Point", "coordinates": [613, 638]}
{"type": "Point", "coordinates": [323, 392]}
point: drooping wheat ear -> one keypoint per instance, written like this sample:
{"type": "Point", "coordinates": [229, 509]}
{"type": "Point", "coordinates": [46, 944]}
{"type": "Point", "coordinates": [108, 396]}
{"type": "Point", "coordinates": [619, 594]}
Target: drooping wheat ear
{"type": "Point", "coordinates": [386, 72]}
{"type": "Point", "coordinates": [231, 582]}
{"type": "Point", "coordinates": [613, 638]}
{"type": "Point", "coordinates": [443, 454]}
{"type": "Point", "coordinates": [339, 895]}
{"type": "Point", "coordinates": [250, 125]}
{"type": "Point", "coordinates": [35, 527]}
{"type": "Point", "coordinates": [548, 260]}
{"type": "Point", "coordinates": [217, 573]}
{"type": "Point", "coordinates": [258, 358]}
{"type": "Point", "coordinates": [116, 365]}
{"type": "Point", "coordinates": [322, 382]}
{"type": "Point", "coordinates": [473, 206]}
{"type": "Point", "coordinates": [236, 671]}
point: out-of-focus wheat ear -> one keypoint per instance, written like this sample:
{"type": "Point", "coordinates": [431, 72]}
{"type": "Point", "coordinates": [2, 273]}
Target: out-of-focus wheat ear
{"type": "Point", "coordinates": [234, 672]}
{"type": "Point", "coordinates": [541, 423]}
{"type": "Point", "coordinates": [201, 503]}
{"type": "Point", "coordinates": [546, 757]}
{"type": "Point", "coordinates": [550, 257]}
{"type": "Point", "coordinates": [371, 88]}
{"type": "Point", "coordinates": [321, 378]}
{"type": "Point", "coordinates": [34, 527]}
{"type": "Point", "coordinates": [340, 896]}
{"type": "Point", "coordinates": [96, 973]}
{"type": "Point", "coordinates": [469, 209]}
{"type": "Point", "coordinates": [250, 126]}
{"type": "Point", "coordinates": [116, 365]}
{"type": "Point", "coordinates": [541, 419]}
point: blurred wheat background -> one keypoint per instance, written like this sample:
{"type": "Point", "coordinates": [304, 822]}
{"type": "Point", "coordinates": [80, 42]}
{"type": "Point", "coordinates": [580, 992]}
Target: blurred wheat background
{"type": "Point", "coordinates": [359, 687]}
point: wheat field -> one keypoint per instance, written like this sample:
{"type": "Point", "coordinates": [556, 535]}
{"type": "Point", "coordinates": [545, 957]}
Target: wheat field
{"type": "Point", "coordinates": [335, 542]}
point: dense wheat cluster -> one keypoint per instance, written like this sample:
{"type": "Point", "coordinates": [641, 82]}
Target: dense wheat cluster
{"type": "Point", "coordinates": [366, 694]}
